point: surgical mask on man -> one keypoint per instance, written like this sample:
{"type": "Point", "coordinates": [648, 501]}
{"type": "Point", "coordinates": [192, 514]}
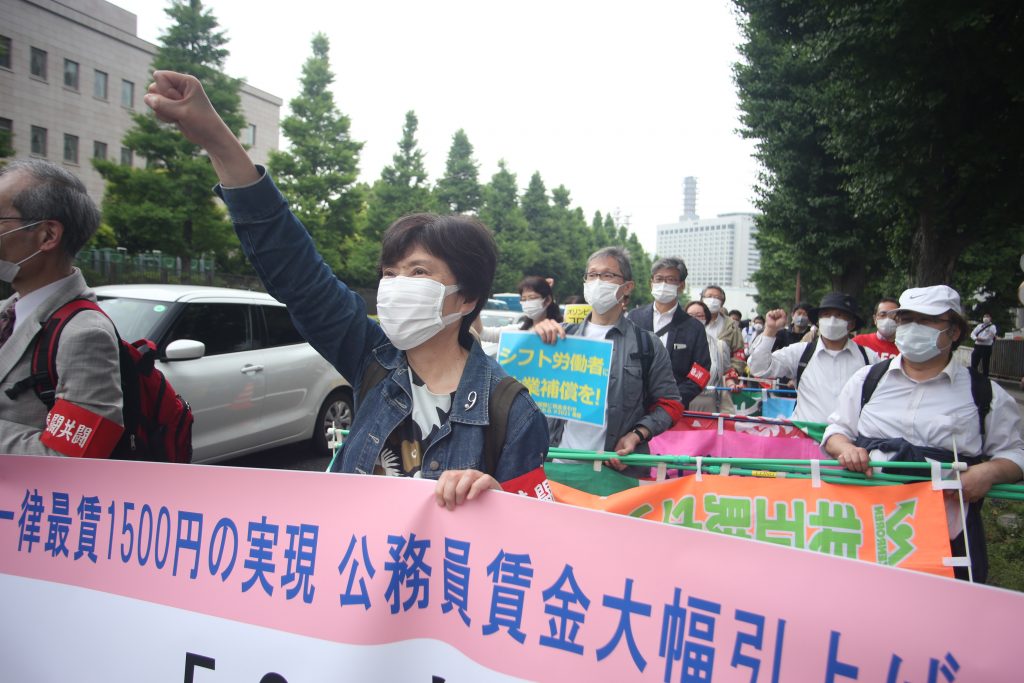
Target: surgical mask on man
{"type": "Point", "coordinates": [833, 328]}
{"type": "Point", "coordinates": [409, 309]}
{"type": "Point", "coordinates": [886, 327]}
{"type": "Point", "coordinates": [664, 293]}
{"type": "Point", "coordinates": [602, 296]}
{"type": "Point", "coordinates": [758, 327]}
{"type": "Point", "coordinates": [918, 343]}
{"type": "Point", "coordinates": [534, 308]}
{"type": "Point", "coordinates": [800, 320]}
{"type": "Point", "coordinates": [9, 269]}
{"type": "Point", "coordinates": [714, 305]}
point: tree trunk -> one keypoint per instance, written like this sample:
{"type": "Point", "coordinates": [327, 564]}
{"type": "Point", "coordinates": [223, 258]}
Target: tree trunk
{"type": "Point", "coordinates": [934, 254]}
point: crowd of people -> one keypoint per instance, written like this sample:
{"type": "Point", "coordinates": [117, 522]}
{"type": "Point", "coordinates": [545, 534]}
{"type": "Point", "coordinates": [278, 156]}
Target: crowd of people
{"type": "Point", "coordinates": [429, 400]}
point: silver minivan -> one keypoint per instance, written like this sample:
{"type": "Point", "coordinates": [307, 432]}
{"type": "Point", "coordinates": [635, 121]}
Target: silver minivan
{"type": "Point", "coordinates": [235, 356]}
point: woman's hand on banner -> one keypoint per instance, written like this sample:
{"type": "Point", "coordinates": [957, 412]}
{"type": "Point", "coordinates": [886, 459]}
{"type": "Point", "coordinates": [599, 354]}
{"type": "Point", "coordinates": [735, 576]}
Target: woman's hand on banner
{"type": "Point", "coordinates": [455, 487]}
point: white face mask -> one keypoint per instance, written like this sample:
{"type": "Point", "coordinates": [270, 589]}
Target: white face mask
{"type": "Point", "coordinates": [534, 308]}
{"type": "Point", "coordinates": [833, 328]}
{"type": "Point", "coordinates": [887, 327]}
{"type": "Point", "coordinates": [758, 327]}
{"type": "Point", "coordinates": [9, 269]}
{"type": "Point", "coordinates": [714, 305]}
{"type": "Point", "coordinates": [664, 293]}
{"type": "Point", "coordinates": [918, 343]}
{"type": "Point", "coordinates": [800, 320]}
{"type": "Point", "coordinates": [409, 309]}
{"type": "Point", "coordinates": [601, 295]}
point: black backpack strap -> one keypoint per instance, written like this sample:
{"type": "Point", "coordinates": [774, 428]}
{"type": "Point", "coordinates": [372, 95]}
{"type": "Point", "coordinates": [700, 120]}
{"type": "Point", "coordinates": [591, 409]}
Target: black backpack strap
{"type": "Point", "coordinates": [863, 354]}
{"type": "Point", "coordinates": [981, 392]}
{"type": "Point", "coordinates": [663, 331]}
{"type": "Point", "coordinates": [498, 408]}
{"type": "Point", "coordinates": [872, 380]}
{"type": "Point", "coordinates": [805, 358]}
{"type": "Point", "coordinates": [372, 376]}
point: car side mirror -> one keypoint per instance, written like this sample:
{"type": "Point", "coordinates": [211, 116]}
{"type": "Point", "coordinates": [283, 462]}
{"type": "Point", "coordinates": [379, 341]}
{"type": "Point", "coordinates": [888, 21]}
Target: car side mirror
{"type": "Point", "coordinates": [185, 349]}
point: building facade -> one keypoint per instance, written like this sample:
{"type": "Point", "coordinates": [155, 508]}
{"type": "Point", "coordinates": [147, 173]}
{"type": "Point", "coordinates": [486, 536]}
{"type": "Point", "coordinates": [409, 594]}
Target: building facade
{"type": "Point", "coordinates": [718, 250]}
{"type": "Point", "coordinates": [72, 74]}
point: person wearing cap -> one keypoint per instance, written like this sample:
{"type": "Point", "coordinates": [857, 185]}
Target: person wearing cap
{"type": "Point", "coordinates": [882, 340]}
{"type": "Point", "coordinates": [923, 403]}
{"type": "Point", "coordinates": [819, 368]}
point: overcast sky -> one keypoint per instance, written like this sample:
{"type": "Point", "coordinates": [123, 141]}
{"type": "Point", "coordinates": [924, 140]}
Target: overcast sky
{"type": "Point", "coordinates": [617, 104]}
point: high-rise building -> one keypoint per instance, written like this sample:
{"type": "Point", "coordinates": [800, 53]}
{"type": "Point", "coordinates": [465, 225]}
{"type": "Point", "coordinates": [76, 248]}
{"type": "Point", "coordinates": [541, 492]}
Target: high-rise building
{"type": "Point", "coordinates": [71, 75]}
{"type": "Point", "coordinates": [717, 251]}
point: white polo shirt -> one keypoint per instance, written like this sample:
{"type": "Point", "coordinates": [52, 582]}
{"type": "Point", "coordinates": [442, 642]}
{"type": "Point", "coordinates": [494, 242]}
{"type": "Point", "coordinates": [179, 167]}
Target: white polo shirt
{"type": "Point", "coordinates": [823, 378]}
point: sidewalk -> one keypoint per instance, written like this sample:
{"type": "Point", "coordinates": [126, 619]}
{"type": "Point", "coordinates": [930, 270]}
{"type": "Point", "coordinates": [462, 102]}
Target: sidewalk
{"type": "Point", "coordinates": [1012, 388]}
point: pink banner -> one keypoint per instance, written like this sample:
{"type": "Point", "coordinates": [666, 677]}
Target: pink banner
{"type": "Point", "coordinates": [737, 444]}
{"type": "Point", "coordinates": [527, 588]}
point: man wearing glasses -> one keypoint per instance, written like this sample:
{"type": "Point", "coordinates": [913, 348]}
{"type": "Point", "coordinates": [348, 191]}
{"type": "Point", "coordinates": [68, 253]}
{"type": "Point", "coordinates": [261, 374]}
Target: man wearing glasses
{"type": "Point", "coordinates": [924, 404]}
{"type": "Point", "coordinates": [883, 340]}
{"type": "Point", "coordinates": [683, 336]}
{"type": "Point", "coordinates": [46, 216]}
{"type": "Point", "coordinates": [643, 400]}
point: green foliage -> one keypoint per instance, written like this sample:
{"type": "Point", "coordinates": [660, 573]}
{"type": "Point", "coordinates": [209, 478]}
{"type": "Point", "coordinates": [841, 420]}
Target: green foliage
{"type": "Point", "coordinates": [402, 188]}
{"type": "Point", "coordinates": [1005, 543]}
{"type": "Point", "coordinates": [104, 237]}
{"type": "Point", "coordinates": [168, 204]}
{"type": "Point", "coordinates": [459, 191]}
{"type": "Point", "coordinates": [891, 141]}
{"type": "Point", "coordinates": [318, 173]}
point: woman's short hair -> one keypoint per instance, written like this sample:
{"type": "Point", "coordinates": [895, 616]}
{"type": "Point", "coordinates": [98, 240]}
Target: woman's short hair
{"type": "Point", "coordinates": [465, 245]}
{"type": "Point", "coordinates": [704, 306]}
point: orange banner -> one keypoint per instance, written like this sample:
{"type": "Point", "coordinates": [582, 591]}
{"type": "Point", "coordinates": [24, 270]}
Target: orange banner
{"type": "Point", "coordinates": [902, 526]}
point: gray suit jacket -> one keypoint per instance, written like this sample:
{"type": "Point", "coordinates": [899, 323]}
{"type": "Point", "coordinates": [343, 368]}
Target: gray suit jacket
{"type": "Point", "coordinates": [88, 371]}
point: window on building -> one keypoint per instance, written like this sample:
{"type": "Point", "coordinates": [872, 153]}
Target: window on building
{"type": "Point", "coordinates": [37, 64]}
{"type": "Point", "coordinates": [127, 94]}
{"type": "Point", "coordinates": [248, 135]}
{"type": "Point", "coordinates": [127, 156]}
{"type": "Point", "coordinates": [70, 148]}
{"type": "Point", "coordinates": [38, 141]}
{"type": "Point", "coordinates": [5, 52]}
{"type": "Point", "coordinates": [99, 150]}
{"type": "Point", "coordinates": [70, 74]}
{"type": "Point", "coordinates": [99, 84]}
{"type": "Point", "coordinates": [6, 133]}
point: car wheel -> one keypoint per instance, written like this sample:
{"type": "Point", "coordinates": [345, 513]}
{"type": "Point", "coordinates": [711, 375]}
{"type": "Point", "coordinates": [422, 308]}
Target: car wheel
{"type": "Point", "coordinates": [336, 411]}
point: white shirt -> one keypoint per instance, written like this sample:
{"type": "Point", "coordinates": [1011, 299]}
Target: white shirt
{"type": "Point", "coordinates": [662, 319]}
{"type": "Point", "coordinates": [985, 337]}
{"type": "Point", "coordinates": [716, 326]}
{"type": "Point", "coordinates": [929, 413]}
{"type": "Point", "coordinates": [26, 305]}
{"type": "Point", "coordinates": [586, 437]}
{"type": "Point", "coordinates": [826, 372]}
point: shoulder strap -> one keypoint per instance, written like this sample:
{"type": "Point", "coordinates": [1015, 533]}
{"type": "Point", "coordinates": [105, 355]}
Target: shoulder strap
{"type": "Point", "coordinates": [981, 392]}
{"type": "Point", "coordinates": [372, 376]}
{"type": "Point", "coordinates": [498, 408]}
{"type": "Point", "coordinates": [44, 357]}
{"type": "Point", "coordinates": [863, 353]}
{"type": "Point", "coordinates": [872, 380]}
{"type": "Point", "coordinates": [805, 358]}
{"type": "Point", "coordinates": [663, 331]}
{"type": "Point", "coordinates": [643, 343]}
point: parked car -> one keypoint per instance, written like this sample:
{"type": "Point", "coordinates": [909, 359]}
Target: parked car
{"type": "Point", "coordinates": [495, 305]}
{"type": "Point", "coordinates": [235, 356]}
{"type": "Point", "coordinates": [497, 318]}
{"type": "Point", "coordinates": [511, 300]}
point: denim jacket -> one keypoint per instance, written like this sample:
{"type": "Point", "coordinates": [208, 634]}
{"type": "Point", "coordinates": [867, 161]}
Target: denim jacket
{"type": "Point", "coordinates": [332, 318]}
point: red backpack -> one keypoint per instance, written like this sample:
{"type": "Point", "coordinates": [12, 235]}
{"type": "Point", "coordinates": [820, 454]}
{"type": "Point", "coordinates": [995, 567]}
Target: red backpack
{"type": "Point", "coordinates": [157, 421]}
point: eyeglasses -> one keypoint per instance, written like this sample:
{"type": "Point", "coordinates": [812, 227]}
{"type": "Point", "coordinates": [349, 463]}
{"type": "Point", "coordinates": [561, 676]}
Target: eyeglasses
{"type": "Point", "coordinates": [659, 279]}
{"type": "Point", "coordinates": [603, 277]}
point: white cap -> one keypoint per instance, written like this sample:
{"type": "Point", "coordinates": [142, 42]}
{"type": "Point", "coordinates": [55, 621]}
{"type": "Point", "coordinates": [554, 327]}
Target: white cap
{"type": "Point", "coordinates": [934, 300]}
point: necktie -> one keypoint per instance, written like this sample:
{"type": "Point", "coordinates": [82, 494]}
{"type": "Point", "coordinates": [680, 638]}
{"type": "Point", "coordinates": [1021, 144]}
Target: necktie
{"type": "Point", "coordinates": [6, 323]}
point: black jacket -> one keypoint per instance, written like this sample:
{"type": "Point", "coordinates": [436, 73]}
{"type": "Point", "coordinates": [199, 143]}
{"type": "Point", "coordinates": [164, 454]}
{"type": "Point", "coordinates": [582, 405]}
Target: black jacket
{"type": "Point", "coordinates": [687, 344]}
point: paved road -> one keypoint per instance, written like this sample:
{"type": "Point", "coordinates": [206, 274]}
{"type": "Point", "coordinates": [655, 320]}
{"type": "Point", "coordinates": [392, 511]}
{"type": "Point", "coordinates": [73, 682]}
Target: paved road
{"type": "Point", "coordinates": [295, 457]}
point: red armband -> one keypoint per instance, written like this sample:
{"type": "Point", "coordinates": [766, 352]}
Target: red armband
{"type": "Point", "coordinates": [699, 374]}
{"type": "Point", "coordinates": [673, 408]}
{"type": "Point", "coordinates": [732, 374]}
{"type": "Point", "coordinates": [74, 431]}
{"type": "Point", "coordinates": [533, 484]}
{"type": "Point", "coordinates": [739, 355]}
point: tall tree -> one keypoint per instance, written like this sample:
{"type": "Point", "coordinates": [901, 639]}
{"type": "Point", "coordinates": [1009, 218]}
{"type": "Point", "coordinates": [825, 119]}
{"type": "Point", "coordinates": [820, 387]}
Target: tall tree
{"type": "Point", "coordinates": [402, 187]}
{"type": "Point", "coordinates": [459, 190]}
{"type": "Point", "coordinates": [168, 205]}
{"type": "Point", "coordinates": [318, 172]}
{"type": "Point", "coordinates": [502, 213]}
